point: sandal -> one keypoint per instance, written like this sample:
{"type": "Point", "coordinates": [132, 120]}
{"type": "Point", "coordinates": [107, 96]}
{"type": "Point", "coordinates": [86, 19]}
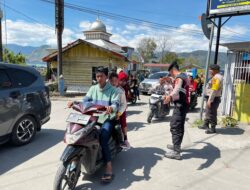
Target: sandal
{"type": "Point", "coordinates": [107, 178]}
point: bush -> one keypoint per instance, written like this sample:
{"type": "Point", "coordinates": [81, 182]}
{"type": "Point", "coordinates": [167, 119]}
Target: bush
{"type": "Point", "coordinates": [228, 122]}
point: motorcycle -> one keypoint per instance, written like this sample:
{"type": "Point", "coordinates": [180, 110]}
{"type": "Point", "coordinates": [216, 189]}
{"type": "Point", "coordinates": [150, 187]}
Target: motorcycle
{"type": "Point", "coordinates": [132, 96]}
{"type": "Point", "coordinates": [83, 152]}
{"type": "Point", "coordinates": [157, 107]}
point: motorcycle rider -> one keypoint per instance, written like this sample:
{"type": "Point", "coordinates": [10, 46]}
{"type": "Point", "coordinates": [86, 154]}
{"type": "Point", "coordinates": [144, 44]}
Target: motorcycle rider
{"type": "Point", "coordinates": [134, 84]}
{"type": "Point", "coordinates": [121, 114]}
{"type": "Point", "coordinates": [163, 87]}
{"type": "Point", "coordinates": [179, 96]}
{"type": "Point", "coordinates": [103, 94]}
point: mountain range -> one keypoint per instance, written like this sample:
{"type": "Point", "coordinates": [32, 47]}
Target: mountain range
{"type": "Point", "coordinates": [34, 55]}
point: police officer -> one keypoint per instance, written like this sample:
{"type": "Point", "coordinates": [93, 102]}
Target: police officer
{"type": "Point", "coordinates": [179, 96]}
{"type": "Point", "coordinates": [213, 96]}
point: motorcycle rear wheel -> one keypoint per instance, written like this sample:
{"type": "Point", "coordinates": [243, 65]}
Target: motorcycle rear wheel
{"type": "Point", "coordinates": [67, 176]}
{"type": "Point", "coordinates": [134, 100]}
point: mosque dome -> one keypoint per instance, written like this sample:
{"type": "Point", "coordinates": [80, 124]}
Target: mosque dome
{"type": "Point", "coordinates": [98, 26]}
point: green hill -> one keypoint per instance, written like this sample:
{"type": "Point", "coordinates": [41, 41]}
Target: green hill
{"type": "Point", "coordinates": [201, 57]}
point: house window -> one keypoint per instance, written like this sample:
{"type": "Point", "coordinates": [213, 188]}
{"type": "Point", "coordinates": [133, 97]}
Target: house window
{"type": "Point", "coordinates": [93, 74]}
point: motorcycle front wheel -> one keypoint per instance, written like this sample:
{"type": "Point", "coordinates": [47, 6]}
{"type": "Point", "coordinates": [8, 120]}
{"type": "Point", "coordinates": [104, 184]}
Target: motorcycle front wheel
{"type": "Point", "coordinates": [67, 175]}
{"type": "Point", "coordinates": [150, 116]}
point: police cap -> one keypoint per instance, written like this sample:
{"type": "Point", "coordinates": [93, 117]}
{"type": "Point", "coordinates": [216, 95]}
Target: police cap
{"type": "Point", "coordinates": [173, 65]}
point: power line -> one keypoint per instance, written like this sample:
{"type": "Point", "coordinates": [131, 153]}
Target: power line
{"type": "Point", "coordinates": [28, 17]}
{"type": "Point", "coordinates": [123, 18]}
{"type": "Point", "coordinates": [145, 23]}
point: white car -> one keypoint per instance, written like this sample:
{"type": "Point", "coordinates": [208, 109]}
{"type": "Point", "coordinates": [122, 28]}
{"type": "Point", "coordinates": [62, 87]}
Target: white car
{"type": "Point", "coordinates": [151, 82]}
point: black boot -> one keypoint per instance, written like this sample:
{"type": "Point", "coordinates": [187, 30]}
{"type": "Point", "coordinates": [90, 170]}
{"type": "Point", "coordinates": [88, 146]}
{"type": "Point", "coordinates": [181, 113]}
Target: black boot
{"type": "Point", "coordinates": [205, 126]}
{"type": "Point", "coordinates": [174, 154]}
{"type": "Point", "coordinates": [171, 147]}
{"type": "Point", "coordinates": [211, 130]}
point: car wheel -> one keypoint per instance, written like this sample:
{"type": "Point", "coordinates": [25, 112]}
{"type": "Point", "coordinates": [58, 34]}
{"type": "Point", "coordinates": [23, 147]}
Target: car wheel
{"type": "Point", "coordinates": [24, 130]}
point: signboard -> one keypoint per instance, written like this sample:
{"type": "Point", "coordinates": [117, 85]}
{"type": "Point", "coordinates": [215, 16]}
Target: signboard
{"type": "Point", "coordinates": [206, 25]}
{"type": "Point", "coordinates": [218, 8]}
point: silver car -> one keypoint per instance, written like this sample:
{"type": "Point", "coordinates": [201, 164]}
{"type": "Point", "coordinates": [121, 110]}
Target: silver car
{"type": "Point", "coordinates": [151, 82]}
{"type": "Point", "coordinates": [24, 103]}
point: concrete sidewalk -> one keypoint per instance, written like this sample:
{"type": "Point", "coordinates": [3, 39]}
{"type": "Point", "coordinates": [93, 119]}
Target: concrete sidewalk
{"type": "Point", "coordinates": [219, 161]}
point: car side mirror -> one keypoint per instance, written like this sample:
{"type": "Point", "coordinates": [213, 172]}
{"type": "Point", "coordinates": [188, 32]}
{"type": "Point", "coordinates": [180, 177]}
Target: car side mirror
{"type": "Point", "coordinates": [6, 84]}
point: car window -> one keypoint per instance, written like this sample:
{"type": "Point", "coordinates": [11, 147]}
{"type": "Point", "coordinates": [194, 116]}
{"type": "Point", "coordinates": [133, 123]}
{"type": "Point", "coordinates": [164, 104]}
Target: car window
{"type": "Point", "coordinates": [157, 75]}
{"type": "Point", "coordinates": [4, 80]}
{"type": "Point", "coordinates": [21, 78]}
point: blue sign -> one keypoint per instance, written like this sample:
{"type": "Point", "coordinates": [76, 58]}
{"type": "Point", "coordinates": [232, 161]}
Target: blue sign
{"type": "Point", "coordinates": [228, 7]}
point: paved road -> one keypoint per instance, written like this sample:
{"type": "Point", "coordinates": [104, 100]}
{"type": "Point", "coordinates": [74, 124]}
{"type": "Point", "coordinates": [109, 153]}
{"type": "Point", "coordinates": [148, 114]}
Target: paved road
{"type": "Point", "coordinates": [220, 161]}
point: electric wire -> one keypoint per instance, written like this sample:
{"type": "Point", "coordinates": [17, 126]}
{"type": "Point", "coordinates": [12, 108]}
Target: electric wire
{"type": "Point", "coordinates": [145, 23]}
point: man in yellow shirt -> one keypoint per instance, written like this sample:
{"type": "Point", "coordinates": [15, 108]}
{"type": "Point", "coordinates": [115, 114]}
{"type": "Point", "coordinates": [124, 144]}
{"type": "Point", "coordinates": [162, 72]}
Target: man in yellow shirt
{"type": "Point", "coordinates": [213, 96]}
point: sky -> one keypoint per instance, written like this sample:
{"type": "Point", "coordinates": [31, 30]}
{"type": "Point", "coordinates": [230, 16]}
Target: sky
{"type": "Point", "coordinates": [31, 22]}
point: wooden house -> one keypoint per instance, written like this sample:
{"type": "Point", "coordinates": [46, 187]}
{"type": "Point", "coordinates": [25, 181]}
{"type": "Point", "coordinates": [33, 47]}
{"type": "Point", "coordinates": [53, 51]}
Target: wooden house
{"type": "Point", "coordinates": [82, 57]}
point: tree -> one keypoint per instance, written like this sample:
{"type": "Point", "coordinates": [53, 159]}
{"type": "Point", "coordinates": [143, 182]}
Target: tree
{"type": "Point", "coordinates": [169, 57]}
{"type": "Point", "coordinates": [10, 57]}
{"type": "Point", "coordinates": [146, 47]}
{"type": "Point", "coordinates": [192, 60]}
{"type": "Point", "coordinates": [165, 45]}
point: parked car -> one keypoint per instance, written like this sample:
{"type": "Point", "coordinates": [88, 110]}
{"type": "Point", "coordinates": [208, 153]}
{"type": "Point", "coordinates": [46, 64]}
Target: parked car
{"type": "Point", "coordinates": [24, 103]}
{"type": "Point", "coordinates": [151, 82]}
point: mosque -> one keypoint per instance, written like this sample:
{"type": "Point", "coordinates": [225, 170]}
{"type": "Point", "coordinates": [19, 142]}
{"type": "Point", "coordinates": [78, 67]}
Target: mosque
{"type": "Point", "coordinates": [83, 56]}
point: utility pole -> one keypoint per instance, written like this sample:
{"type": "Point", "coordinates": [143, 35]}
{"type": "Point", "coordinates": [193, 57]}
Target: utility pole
{"type": "Point", "coordinates": [59, 19]}
{"type": "Point", "coordinates": [1, 41]}
{"type": "Point", "coordinates": [59, 16]}
{"type": "Point", "coordinates": [217, 41]}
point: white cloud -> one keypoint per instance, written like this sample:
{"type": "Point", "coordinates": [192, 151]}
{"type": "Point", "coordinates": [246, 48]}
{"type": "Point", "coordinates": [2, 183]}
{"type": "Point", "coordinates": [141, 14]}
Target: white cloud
{"type": "Point", "coordinates": [138, 28]}
{"type": "Point", "coordinates": [125, 32]}
{"type": "Point", "coordinates": [26, 33]}
{"type": "Point", "coordinates": [85, 25]}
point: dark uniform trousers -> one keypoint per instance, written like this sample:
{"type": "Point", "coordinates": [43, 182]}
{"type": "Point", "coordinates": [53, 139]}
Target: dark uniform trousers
{"type": "Point", "coordinates": [211, 113]}
{"type": "Point", "coordinates": [177, 124]}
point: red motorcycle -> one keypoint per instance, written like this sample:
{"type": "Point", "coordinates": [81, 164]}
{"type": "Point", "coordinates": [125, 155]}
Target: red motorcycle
{"type": "Point", "coordinates": [83, 152]}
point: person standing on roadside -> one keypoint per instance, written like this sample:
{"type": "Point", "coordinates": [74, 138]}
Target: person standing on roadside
{"type": "Point", "coordinates": [213, 96]}
{"type": "Point", "coordinates": [180, 97]}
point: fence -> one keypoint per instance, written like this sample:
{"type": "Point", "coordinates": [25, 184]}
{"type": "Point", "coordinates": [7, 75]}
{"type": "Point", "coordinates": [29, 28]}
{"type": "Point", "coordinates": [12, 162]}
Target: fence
{"type": "Point", "coordinates": [236, 93]}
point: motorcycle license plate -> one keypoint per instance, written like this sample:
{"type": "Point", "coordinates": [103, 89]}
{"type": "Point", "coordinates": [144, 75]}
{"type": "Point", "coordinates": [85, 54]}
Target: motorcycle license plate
{"type": "Point", "coordinates": [78, 118]}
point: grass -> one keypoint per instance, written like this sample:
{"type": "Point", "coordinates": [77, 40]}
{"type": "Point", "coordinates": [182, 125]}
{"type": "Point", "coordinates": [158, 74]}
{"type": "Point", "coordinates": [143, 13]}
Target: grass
{"type": "Point", "coordinates": [197, 123]}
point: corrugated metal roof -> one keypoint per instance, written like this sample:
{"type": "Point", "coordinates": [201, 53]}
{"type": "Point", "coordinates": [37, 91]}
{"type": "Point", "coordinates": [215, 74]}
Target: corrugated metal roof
{"type": "Point", "coordinates": [77, 42]}
{"type": "Point", "coordinates": [107, 45]}
{"type": "Point", "coordinates": [156, 65]}
{"type": "Point", "coordinates": [237, 46]}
